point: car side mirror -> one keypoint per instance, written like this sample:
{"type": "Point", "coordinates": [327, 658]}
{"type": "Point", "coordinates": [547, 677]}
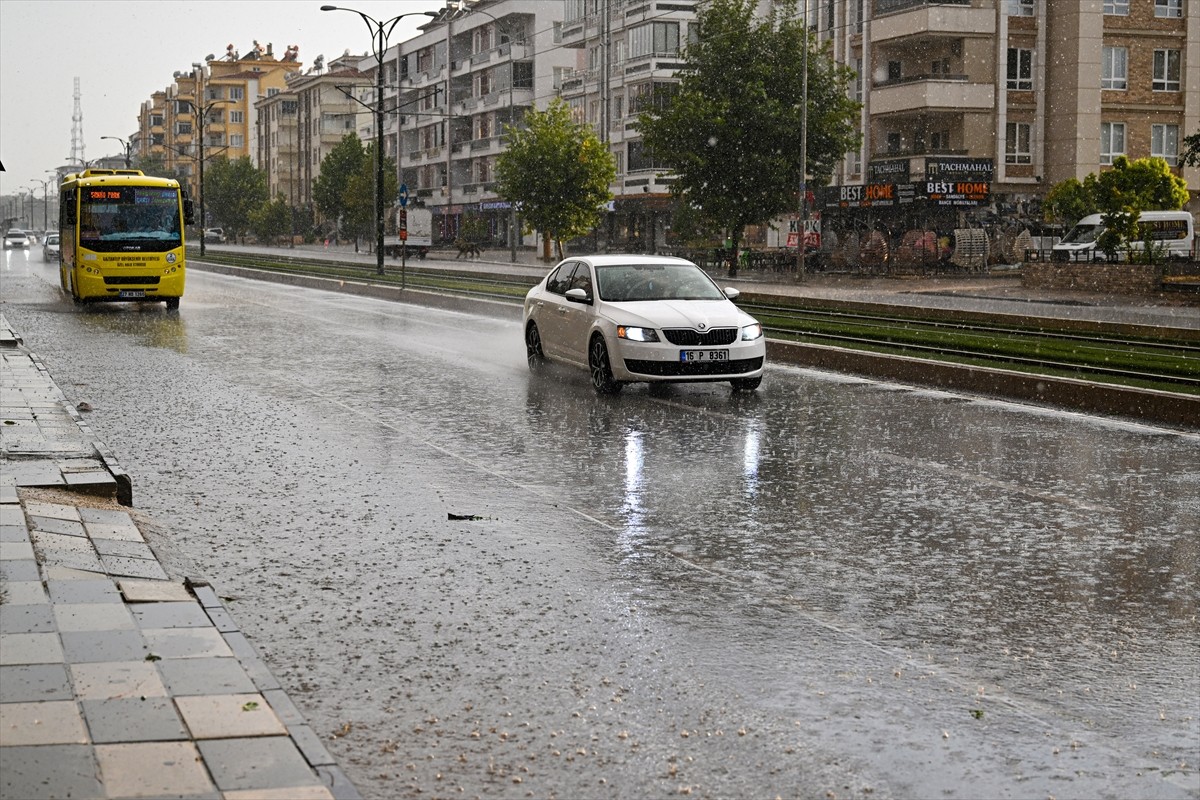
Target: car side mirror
{"type": "Point", "coordinates": [731, 292]}
{"type": "Point", "coordinates": [189, 210]}
{"type": "Point", "coordinates": [578, 296]}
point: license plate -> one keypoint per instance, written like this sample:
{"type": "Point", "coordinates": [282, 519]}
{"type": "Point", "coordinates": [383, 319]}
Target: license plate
{"type": "Point", "coordinates": [132, 293]}
{"type": "Point", "coordinates": [703, 355]}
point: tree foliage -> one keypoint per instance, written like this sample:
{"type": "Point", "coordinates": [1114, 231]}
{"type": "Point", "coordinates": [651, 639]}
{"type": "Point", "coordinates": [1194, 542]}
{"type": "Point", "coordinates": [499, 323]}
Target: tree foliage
{"type": "Point", "coordinates": [1190, 157]}
{"type": "Point", "coordinates": [358, 195]}
{"type": "Point", "coordinates": [329, 189]}
{"type": "Point", "coordinates": [732, 133]}
{"type": "Point", "coordinates": [271, 220]}
{"type": "Point", "coordinates": [558, 171]}
{"type": "Point", "coordinates": [232, 191]}
{"type": "Point", "coordinates": [344, 191]}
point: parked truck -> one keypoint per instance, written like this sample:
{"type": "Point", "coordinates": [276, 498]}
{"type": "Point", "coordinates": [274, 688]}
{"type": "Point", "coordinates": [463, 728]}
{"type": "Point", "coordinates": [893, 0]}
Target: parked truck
{"type": "Point", "coordinates": [415, 226]}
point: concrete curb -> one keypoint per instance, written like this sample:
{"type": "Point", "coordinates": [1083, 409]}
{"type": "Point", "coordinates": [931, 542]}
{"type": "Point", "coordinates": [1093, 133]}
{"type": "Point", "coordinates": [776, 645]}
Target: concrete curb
{"type": "Point", "coordinates": [1161, 408]}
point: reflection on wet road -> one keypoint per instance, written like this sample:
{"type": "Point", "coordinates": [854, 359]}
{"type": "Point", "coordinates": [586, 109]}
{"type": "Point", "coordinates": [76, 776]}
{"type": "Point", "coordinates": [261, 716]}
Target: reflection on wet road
{"type": "Point", "coordinates": [833, 585]}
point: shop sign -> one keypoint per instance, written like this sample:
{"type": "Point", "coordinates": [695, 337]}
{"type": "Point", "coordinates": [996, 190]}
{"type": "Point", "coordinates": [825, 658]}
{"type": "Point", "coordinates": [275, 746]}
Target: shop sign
{"type": "Point", "coordinates": [812, 232]}
{"type": "Point", "coordinates": [869, 195]}
{"type": "Point", "coordinates": [958, 193]}
{"type": "Point", "coordinates": [892, 169]}
{"type": "Point", "coordinates": [949, 168]}
{"type": "Point", "coordinates": [495, 205]}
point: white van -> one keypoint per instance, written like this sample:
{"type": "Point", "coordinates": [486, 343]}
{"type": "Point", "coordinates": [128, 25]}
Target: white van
{"type": "Point", "coordinates": [1175, 231]}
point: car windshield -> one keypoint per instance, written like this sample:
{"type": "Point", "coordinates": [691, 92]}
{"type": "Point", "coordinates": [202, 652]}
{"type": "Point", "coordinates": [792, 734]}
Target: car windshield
{"type": "Point", "coordinates": [624, 283]}
{"type": "Point", "coordinates": [1083, 234]}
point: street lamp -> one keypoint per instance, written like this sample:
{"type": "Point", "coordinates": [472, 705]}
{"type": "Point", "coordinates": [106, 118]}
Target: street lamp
{"type": "Point", "coordinates": [380, 31]}
{"type": "Point", "coordinates": [125, 144]}
{"type": "Point", "coordinates": [512, 76]}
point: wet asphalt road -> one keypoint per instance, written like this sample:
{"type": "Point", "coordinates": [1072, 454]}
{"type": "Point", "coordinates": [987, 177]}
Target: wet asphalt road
{"type": "Point", "coordinates": [832, 588]}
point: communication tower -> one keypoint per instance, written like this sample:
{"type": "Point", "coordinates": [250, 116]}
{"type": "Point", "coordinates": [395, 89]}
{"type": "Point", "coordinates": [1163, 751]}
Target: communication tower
{"type": "Point", "coordinates": [77, 155]}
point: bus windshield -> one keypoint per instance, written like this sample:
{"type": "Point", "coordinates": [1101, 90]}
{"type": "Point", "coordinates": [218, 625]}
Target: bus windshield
{"type": "Point", "coordinates": [129, 218]}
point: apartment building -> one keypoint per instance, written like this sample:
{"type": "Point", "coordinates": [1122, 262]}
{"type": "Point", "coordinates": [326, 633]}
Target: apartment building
{"type": "Point", "coordinates": [629, 54]}
{"type": "Point", "coordinates": [298, 127]}
{"type": "Point", "coordinates": [214, 100]}
{"type": "Point", "coordinates": [449, 92]}
{"type": "Point", "coordinates": [982, 105]}
{"type": "Point", "coordinates": [971, 108]}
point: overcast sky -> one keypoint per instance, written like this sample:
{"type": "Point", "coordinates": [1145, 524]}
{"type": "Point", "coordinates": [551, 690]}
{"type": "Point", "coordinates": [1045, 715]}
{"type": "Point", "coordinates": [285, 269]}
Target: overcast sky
{"type": "Point", "coordinates": [123, 50]}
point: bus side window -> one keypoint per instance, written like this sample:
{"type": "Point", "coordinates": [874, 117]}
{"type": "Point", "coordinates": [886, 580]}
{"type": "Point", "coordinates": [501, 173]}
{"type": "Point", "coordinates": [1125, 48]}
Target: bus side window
{"type": "Point", "coordinates": [66, 212]}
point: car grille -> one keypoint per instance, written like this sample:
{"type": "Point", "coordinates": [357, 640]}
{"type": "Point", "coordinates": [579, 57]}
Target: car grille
{"type": "Point", "coordinates": [681, 369]}
{"type": "Point", "coordinates": [686, 337]}
{"type": "Point", "coordinates": [125, 280]}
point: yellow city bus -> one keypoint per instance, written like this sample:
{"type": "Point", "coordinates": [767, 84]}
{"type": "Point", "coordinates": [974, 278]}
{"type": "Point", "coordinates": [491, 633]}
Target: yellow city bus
{"type": "Point", "coordinates": [122, 237]}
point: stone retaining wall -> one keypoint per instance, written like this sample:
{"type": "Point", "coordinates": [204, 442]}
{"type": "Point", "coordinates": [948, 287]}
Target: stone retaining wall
{"type": "Point", "coordinates": [1118, 278]}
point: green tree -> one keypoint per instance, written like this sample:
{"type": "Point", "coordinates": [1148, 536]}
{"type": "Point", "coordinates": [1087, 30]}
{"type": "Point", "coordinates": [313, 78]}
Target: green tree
{"type": "Point", "coordinates": [1069, 201]}
{"type": "Point", "coordinates": [271, 220]}
{"type": "Point", "coordinates": [232, 191]}
{"type": "Point", "coordinates": [1190, 157]}
{"type": "Point", "coordinates": [329, 189]}
{"type": "Point", "coordinates": [732, 132]}
{"type": "Point", "coordinates": [558, 171]}
{"type": "Point", "coordinates": [358, 195]}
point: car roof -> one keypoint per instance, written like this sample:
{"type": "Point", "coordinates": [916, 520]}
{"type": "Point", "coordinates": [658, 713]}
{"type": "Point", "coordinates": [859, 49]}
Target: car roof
{"type": "Point", "coordinates": [602, 260]}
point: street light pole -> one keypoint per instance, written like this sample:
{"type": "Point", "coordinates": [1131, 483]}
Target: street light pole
{"type": "Point", "coordinates": [380, 31]}
{"type": "Point", "coordinates": [124, 144]}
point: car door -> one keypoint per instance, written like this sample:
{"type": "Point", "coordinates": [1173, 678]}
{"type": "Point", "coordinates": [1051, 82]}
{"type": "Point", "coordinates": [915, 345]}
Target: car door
{"type": "Point", "coordinates": [577, 317]}
{"type": "Point", "coordinates": [550, 310]}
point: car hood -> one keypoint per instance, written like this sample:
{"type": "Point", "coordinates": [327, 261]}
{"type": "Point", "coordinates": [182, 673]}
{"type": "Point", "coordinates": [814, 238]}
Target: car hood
{"type": "Point", "coordinates": [693, 314]}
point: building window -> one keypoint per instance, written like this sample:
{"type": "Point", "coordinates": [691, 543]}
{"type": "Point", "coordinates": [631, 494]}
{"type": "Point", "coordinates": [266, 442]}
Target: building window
{"type": "Point", "coordinates": [183, 129]}
{"type": "Point", "coordinates": [1112, 141]}
{"type": "Point", "coordinates": [655, 38]}
{"type": "Point", "coordinates": [574, 11]}
{"type": "Point", "coordinates": [1172, 9]}
{"type": "Point", "coordinates": [894, 71]}
{"type": "Point", "coordinates": [1018, 8]}
{"type": "Point", "coordinates": [156, 120]}
{"type": "Point", "coordinates": [522, 75]}
{"type": "Point", "coordinates": [1115, 68]}
{"type": "Point", "coordinates": [1166, 71]}
{"type": "Point", "coordinates": [1164, 143]}
{"type": "Point", "coordinates": [1020, 69]}
{"type": "Point", "coordinates": [237, 140]}
{"type": "Point", "coordinates": [236, 116]}
{"type": "Point", "coordinates": [1016, 143]}
{"type": "Point", "coordinates": [895, 142]}
{"type": "Point", "coordinates": [1119, 8]}
{"type": "Point", "coordinates": [237, 92]}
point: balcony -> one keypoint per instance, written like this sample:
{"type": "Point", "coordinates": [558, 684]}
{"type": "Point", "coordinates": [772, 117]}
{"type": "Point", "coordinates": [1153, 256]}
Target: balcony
{"type": "Point", "coordinates": [923, 93]}
{"type": "Point", "coordinates": [914, 18]}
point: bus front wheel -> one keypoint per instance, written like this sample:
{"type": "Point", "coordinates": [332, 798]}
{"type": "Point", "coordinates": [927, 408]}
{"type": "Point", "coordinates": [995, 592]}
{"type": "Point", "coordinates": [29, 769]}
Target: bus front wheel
{"type": "Point", "coordinates": [172, 304]}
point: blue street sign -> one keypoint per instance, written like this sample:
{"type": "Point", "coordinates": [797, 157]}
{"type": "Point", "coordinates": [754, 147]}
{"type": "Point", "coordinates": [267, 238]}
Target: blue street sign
{"type": "Point", "coordinates": [404, 195]}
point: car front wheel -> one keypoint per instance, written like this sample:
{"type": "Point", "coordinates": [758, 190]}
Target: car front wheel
{"type": "Point", "coordinates": [602, 376]}
{"type": "Point", "coordinates": [533, 348]}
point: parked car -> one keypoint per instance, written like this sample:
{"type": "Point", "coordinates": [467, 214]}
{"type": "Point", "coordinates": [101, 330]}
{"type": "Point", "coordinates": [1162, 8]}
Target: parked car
{"type": "Point", "coordinates": [50, 250]}
{"type": "Point", "coordinates": [633, 318]}
{"type": "Point", "coordinates": [15, 238]}
{"type": "Point", "coordinates": [214, 235]}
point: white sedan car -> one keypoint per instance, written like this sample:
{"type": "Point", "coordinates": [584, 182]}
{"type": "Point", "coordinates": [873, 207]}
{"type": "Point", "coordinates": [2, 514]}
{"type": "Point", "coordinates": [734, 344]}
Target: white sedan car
{"type": "Point", "coordinates": [631, 318]}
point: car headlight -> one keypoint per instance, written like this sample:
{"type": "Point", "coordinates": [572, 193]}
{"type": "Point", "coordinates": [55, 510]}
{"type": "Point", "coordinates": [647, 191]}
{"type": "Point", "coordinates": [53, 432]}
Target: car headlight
{"type": "Point", "coordinates": [752, 332]}
{"type": "Point", "coordinates": [634, 334]}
